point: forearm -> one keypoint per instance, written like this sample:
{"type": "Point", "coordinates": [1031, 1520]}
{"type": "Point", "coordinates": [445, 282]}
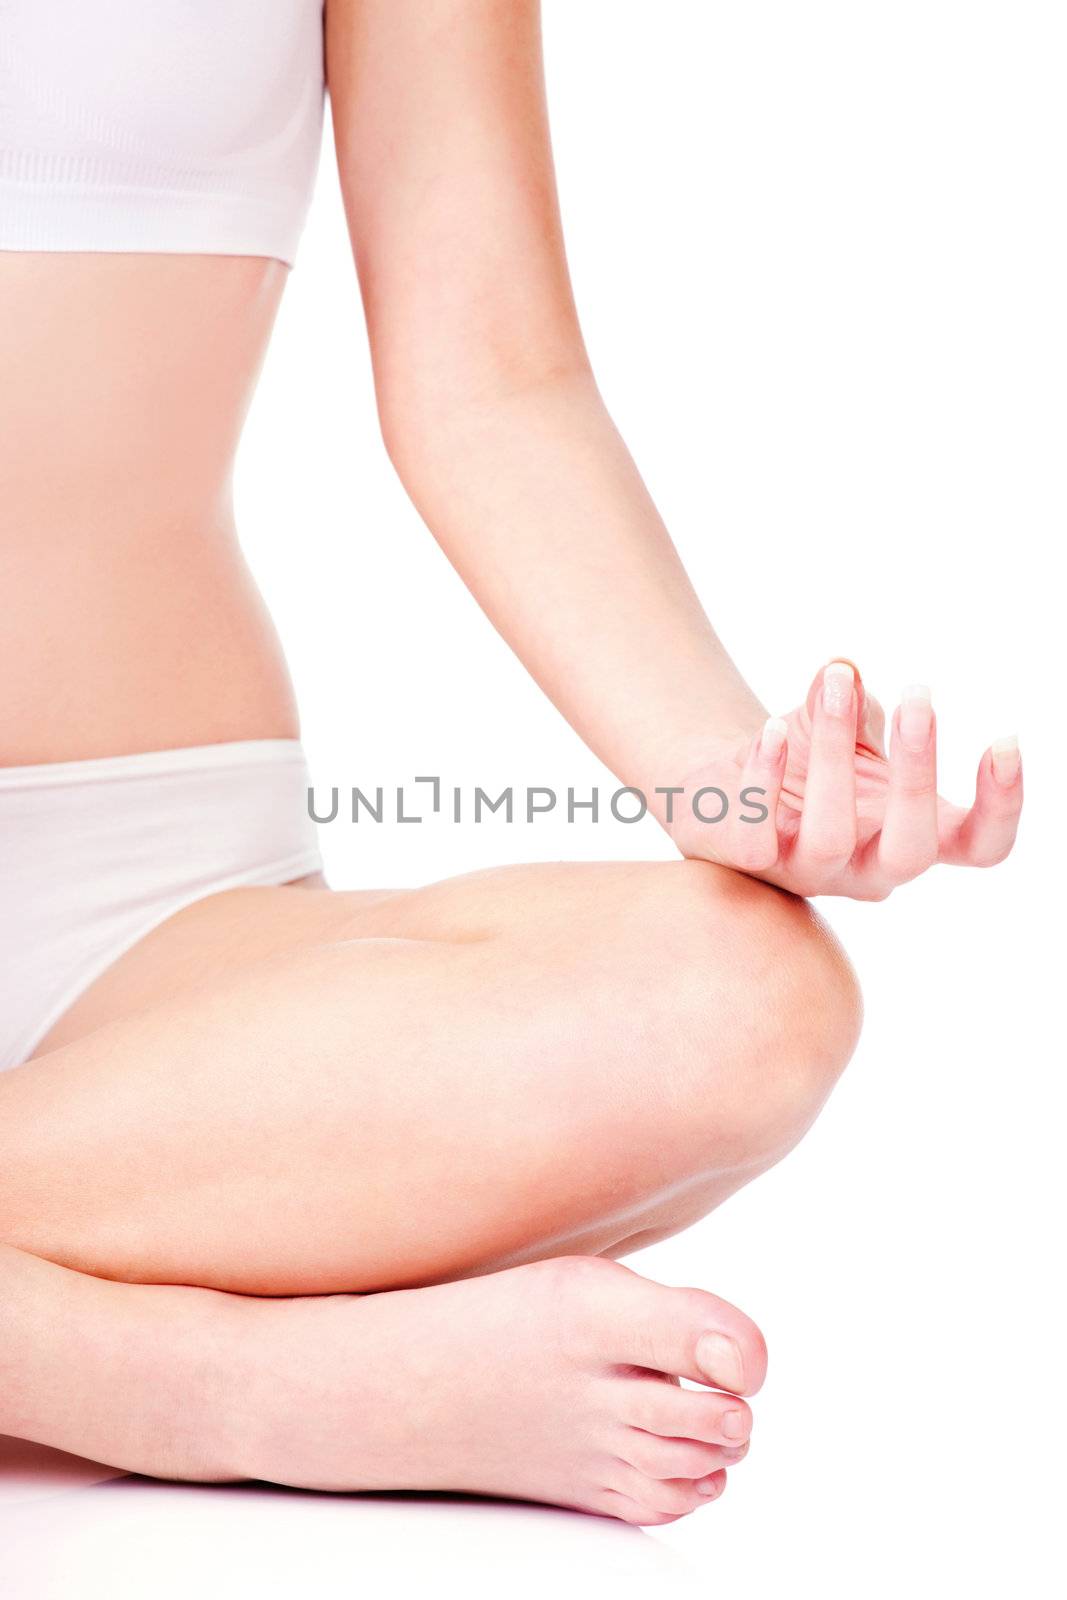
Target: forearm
{"type": "Point", "coordinates": [537, 502]}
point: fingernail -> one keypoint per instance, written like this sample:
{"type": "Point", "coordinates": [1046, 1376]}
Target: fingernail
{"type": "Point", "coordinates": [733, 1424]}
{"type": "Point", "coordinates": [772, 739]}
{"type": "Point", "coordinates": [838, 682]}
{"type": "Point", "coordinates": [916, 717]}
{"type": "Point", "coordinates": [709, 1487]}
{"type": "Point", "coordinates": [1006, 760]}
{"type": "Point", "coordinates": [719, 1359]}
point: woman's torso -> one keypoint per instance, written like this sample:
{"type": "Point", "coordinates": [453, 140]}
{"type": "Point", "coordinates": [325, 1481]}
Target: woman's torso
{"type": "Point", "coordinates": [130, 620]}
{"type": "Point", "coordinates": [189, 137]}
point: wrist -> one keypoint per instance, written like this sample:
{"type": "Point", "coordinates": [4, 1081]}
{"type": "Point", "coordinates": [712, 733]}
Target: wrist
{"type": "Point", "coordinates": [697, 763]}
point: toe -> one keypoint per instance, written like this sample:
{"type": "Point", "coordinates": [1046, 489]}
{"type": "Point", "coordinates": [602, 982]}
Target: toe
{"type": "Point", "coordinates": [666, 1497]}
{"type": "Point", "coordinates": [684, 1332]}
{"type": "Point", "coordinates": [676, 1458]}
{"type": "Point", "coordinates": [689, 1334]}
{"type": "Point", "coordinates": [675, 1413]}
{"type": "Point", "coordinates": [613, 1504]}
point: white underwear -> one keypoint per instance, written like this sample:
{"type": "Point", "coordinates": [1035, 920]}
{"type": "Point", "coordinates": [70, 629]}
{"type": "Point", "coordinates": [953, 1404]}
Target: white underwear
{"type": "Point", "coordinates": [94, 854]}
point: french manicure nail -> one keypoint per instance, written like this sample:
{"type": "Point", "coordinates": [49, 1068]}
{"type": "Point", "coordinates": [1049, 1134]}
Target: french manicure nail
{"type": "Point", "coordinates": [916, 717]}
{"type": "Point", "coordinates": [719, 1359]}
{"type": "Point", "coordinates": [1006, 760]}
{"type": "Point", "coordinates": [772, 739]}
{"type": "Point", "coordinates": [838, 683]}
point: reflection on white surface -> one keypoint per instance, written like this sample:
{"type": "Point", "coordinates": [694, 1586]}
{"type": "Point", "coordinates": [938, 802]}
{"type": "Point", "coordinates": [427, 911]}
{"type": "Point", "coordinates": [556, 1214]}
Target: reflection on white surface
{"type": "Point", "coordinates": [70, 1530]}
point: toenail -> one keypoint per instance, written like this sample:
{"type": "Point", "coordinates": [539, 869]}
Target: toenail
{"type": "Point", "coordinates": [734, 1424]}
{"type": "Point", "coordinates": [719, 1359]}
{"type": "Point", "coordinates": [709, 1487]}
{"type": "Point", "coordinates": [736, 1453]}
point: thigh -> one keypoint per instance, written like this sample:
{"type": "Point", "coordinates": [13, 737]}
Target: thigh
{"type": "Point", "coordinates": [338, 1093]}
{"type": "Point", "coordinates": [209, 939]}
{"type": "Point", "coordinates": [555, 907]}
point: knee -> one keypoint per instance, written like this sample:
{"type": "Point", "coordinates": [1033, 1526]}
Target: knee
{"type": "Point", "coordinates": [768, 1006]}
{"type": "Point", "coordinates": [814, 1015]}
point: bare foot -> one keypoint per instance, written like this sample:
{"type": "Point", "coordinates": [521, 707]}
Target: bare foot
{"type": "Point", "coordinates": [554, 1382]}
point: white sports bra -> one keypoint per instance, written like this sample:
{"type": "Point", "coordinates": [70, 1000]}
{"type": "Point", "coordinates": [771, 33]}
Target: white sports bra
{"type": "Point", "coordinates": [189, 126]}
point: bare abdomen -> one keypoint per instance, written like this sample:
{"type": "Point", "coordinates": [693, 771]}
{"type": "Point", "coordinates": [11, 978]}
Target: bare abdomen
{"type": "Point", "coordinates": [129, 619]}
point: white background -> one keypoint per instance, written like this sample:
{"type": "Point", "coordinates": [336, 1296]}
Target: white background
{"type": "Point", "coordinates": [820, 254]}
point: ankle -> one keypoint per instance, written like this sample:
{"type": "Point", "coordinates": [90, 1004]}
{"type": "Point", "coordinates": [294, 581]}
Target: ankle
{"type": "Point", "coordinates": [203, 1426]}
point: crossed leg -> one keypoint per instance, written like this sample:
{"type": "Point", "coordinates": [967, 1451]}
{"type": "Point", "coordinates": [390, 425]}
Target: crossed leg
{"type": "Point", "coordinates": [305, 1094]}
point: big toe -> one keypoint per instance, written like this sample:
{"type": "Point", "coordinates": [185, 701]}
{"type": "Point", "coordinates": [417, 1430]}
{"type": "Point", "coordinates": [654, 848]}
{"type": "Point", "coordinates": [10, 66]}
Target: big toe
{"type": "Point", "coordinates": [686, 1333]}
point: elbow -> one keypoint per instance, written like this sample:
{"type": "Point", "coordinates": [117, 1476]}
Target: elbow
{"type": "Point", "coordinates": [438, 417]}
{"type": "Point", "coordinates": [408, 427]}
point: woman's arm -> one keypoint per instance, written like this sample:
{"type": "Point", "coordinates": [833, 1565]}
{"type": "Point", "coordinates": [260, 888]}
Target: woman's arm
{"type": "Point", "coordinates": [489, 408]}
{"type": "Point", "coordinates": [491, 414]}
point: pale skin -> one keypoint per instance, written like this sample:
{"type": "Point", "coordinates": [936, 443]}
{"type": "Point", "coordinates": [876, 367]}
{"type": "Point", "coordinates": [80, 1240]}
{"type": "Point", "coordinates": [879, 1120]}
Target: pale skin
{"type": "Point", "coordinates": [326, 1187]}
